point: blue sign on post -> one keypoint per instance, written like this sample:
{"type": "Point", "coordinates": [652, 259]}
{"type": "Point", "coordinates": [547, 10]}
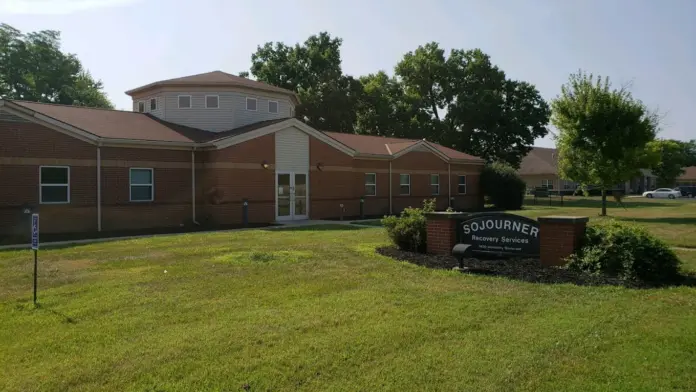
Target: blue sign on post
{"type": "Point", "coordinates": [35, 231]}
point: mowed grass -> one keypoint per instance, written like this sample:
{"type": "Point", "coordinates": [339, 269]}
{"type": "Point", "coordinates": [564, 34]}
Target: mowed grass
{"type": "Point", "coordinates": [317, 309]}
{"type": "Point", "coordinates": [671, 220]}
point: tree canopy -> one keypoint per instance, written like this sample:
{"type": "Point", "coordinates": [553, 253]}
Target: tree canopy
{"type": "Point", "coordinates": [33, 68]}
{"type": "Point", "coordinates": [604, 133]}
{"type": "Point", "coordinates": [672, 157]}
{"type": "Point", "coordinates": [460, 100]}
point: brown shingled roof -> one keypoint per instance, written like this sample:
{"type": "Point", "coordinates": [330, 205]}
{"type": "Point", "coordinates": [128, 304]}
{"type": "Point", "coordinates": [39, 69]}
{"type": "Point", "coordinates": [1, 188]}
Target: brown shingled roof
{"type": "Point", "coordinates": [689, 173]}
{"type": "Point", "coordinates": [114, 124]}
{"type": "Point", "coordinates": [118, 124]}
{"type": "Point", "coordinates": [217, 79]}
{"type": "Point", "coordinates": [377, 145]}
{"type": "Point", "coordinates": [540, 160]}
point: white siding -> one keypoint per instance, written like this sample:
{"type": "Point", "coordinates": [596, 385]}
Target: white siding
{"type": "Point", "coordinates": [231, 113]}
{"type": "Point", "coordinates": [159, 110]}
{"type": "Point", "coordinates": [292, 150]}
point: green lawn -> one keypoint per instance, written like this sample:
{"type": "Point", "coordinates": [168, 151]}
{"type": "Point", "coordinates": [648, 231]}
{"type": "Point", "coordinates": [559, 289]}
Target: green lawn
{"type": "Point", "coordinates": [672, 220]}
{"type": "Point", "coordinates": [318, 309]}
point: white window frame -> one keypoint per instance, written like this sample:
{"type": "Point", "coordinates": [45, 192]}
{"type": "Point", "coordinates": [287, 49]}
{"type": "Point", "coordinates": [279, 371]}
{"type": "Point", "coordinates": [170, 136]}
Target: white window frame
{"type": "Point", "coordinates": [374, 184]}
{"type": "Point", "coordinates": [277, 107]}
{"type": "Point", "coordinates": [459, 184]}
{"type": "Point", "coordinates": [548, 184]}
{"type": "Point", "coordinates": [178, 101]}
{"type": "Point", "coordinates": [151, 101]}
{"type": "Point", "coordinates": [41, 185]}
{"type": "Point", "coordinates": [402, 184]}
{"type": "Point", "coordinates": [141, 103]}
{"type": "Point", "coordinates": [432, 185]}
{"type": "Point", "coordinates": [210, 107]}
{"type": "Point", "coordinates": [130, 184]}
{"type": "Point", "coordinates": [256, 106]}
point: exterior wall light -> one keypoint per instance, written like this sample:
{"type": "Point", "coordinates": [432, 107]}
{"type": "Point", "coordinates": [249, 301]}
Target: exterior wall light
{"type": "Point", "coordinates": [264, 164]}
{"type": "Point", "coordinates": [320, 166]}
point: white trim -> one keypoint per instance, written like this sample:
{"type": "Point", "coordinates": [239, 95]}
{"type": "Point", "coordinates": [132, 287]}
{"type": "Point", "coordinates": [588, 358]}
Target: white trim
{"type": "Point", "coordinates": [277, 106]}
{"type": "Point", "coordinates": [41, 185]}
{"type": "Point", "coordinates": [431, 184]}
{"type": "Point", "coordinates": [459, 176]}
{"type": "Point", "coordinates": [156, 103]}
{"type": "Point", "coordinates": [151, 185]}
{"type": "Point", "coordinates": [375, 183]}
{"type": "Point", "coordinates": [290, 122]}
{"type": "Point", "coordinates": [178, 101]}
{"type": "Point", "coordinates": [247, 104]}
{"type": "Point", "coordinates": [141, 103]}
{"type": "Point", "coordinates": [210, 107]}
{"type": "Point", "coordinates": [420, 144]}
{"type": "Point", "coordinates": [409, 184]}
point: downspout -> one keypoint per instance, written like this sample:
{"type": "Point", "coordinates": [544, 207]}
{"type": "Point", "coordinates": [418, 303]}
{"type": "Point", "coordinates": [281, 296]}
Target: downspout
{"type": "Point", "coordinates": [449, 184]}
{"type": "Point", "coordinates": [193, 186]}
{"type": "Point", "coordinates": [99, 209]}
{"type": "Point", "coordinates": [391, 212]}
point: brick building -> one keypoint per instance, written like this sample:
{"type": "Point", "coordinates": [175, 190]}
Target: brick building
{"type": "Point", "coordinates": [194, 150]}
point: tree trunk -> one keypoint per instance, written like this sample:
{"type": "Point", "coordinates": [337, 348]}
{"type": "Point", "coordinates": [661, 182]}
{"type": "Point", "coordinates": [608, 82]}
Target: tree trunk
{"type": "Point", "coordinates": [604, 202]}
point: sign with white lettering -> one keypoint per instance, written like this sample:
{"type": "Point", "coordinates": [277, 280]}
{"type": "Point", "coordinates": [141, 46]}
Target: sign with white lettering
{"type": "Point", "coordinates": [500, 234]}
{"type": "Point", "coordinates": [35, 231]}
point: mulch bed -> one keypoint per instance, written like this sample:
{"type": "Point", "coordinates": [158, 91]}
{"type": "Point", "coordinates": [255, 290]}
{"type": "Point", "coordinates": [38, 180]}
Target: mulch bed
{"type": "Point", "coordinates": [527, 270]}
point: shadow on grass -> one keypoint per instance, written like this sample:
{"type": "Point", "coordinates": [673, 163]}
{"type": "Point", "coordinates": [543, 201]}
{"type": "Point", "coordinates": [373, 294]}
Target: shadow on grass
{"type": "Point", "coordinates": [668, 220]}
{"type": "Point", "coordinates": [524, 270]}
{"type": "Point", "coordinates": [325, 227]}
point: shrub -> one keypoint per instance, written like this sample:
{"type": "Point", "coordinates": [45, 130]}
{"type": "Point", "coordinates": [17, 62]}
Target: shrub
{"type": "Point", "coordinates": [503, 186]}
{"type": "Point", "coordinates": [408, 231]}
{"type": "Point", "coordinates": [626, 252]}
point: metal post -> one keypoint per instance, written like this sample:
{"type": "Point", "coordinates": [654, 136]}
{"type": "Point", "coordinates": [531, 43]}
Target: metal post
{"type": "Point", "coordinates": [36, 264]}
{"type": "Point", "coordinates": [245, 212]}
{"type": "Point", "coordinates": [362, 208]}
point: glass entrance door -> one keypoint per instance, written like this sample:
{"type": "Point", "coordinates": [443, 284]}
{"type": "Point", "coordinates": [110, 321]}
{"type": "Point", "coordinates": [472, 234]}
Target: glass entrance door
{"type": "Point", "coordinates": [291, 196]}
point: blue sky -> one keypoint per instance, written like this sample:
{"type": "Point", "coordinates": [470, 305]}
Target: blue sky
{"type": "Point", "coordinates": [128, 43]}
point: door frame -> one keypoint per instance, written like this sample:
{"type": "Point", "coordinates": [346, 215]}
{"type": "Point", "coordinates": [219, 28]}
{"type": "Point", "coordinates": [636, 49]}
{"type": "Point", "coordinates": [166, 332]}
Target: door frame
{"type": "Point", "coordinates": [292, 216]}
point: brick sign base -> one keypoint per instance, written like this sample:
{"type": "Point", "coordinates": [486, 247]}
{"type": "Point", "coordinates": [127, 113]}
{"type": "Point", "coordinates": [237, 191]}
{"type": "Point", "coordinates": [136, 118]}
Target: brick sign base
{"type": "Point", "coordinates": [560, 236]}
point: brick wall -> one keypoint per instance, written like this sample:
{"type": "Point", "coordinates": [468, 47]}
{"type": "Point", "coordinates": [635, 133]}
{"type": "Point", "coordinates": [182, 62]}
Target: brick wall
{"type": "Point", "coordinates": [560, 237]}
{"type": "Point", "coordinates": [441, 236]}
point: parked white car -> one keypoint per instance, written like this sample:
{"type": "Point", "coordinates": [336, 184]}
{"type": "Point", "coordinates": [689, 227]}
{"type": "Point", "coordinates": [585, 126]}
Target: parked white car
{"type": "Point", "coordinates": [664, 193]}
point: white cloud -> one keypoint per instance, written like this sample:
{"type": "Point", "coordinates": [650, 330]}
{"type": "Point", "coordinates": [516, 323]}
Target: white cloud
{"type": "Point", "coordinates": [55, 7]}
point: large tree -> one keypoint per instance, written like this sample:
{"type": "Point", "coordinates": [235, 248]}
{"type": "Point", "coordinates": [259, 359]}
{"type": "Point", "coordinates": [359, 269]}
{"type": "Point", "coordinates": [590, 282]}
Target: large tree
{"type": "Point", "coordinates": [673, 157]}
{"type": "Point", "coordinates": [464, 101]}
{"type": "Point", "coordinates": [33, 68]}
{"type": "Point", "coordinates": [312, 70]}
{"type": "Point", "coordinates": [603, 133]}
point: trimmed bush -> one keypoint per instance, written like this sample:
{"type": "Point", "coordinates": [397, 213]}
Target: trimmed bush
{"type": "Point", "coordinates": [502, 185]}
{"type": "Point", "coordinates": [408, 231]}
{"type": "Point", "coordinates": [626, 252]}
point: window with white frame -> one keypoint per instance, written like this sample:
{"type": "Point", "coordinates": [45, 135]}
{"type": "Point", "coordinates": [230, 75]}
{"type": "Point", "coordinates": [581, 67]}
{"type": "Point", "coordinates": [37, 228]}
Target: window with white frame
{"type": "Point", "coordinates": [153, 104]}
{"type": "Point", "coordinates": [141, 184]}
{"type": "Point", "coordinates": [212, 101]}
{"type": "Point", "coordinates": [184, 101]}
{"type": "Point", "coordinates": [54, 184]}
{"type": "Point", "coordinates": [272, 106]}
{"type": "Point", "coordinates": [404, 184]}
{"type": "Point", "coordinates": [548, 184]}
{"type": "Point", "coordinates": [251, 104]}
{"type": "Point", "coordinates": [461, 185]}
{"type": "Point", "coordinates": [370, 184]}
{"type": "Point", "coordinates": [141, 107]}
{"type": "Point", "coordinates": [435, 184]}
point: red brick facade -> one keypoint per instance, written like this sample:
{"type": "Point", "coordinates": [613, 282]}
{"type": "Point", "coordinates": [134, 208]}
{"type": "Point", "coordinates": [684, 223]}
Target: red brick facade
{"type": "Point", "coordinates": [224, 179]}
{"type": "Point", "coordinates": [560, 237]}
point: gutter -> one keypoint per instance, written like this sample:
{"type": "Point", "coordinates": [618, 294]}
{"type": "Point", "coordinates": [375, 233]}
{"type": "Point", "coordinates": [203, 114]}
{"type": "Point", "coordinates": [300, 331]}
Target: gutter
{"type": "Point", "coordinates": [391, 211]}
{"type": "Point", "coordinates": [193, 186]}
{"type": "Point", "coordinates": [99, 198]}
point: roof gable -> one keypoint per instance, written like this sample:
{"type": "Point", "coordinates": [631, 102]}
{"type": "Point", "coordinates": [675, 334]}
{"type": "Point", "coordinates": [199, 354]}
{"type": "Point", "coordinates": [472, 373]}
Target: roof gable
{"type": "Point", "coordinates": [539, 160]}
